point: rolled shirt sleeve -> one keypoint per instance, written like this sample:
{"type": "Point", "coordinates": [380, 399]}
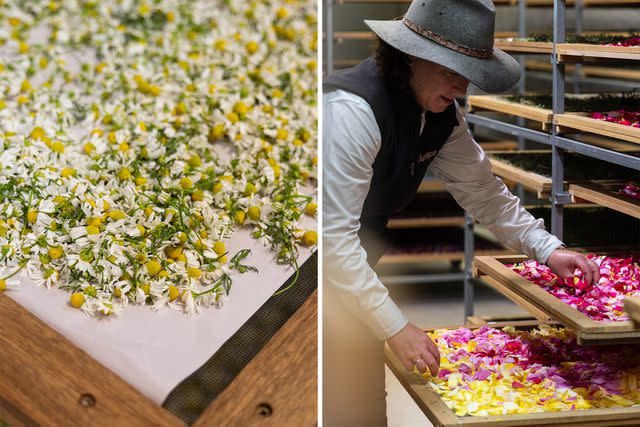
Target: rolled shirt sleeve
{"type": "Point", "coordinates": [351, 141]}
{"type": "Point", "coordinates": [466, 172]}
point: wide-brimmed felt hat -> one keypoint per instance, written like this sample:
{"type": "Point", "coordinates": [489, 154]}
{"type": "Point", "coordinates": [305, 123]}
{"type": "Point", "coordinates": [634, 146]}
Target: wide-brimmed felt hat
{"type": "Point", "coordinates": [457, 34]}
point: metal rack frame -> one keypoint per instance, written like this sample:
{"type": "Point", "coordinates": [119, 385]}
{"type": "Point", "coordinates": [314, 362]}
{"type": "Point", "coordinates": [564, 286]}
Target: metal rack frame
{"type": "Point", "coordinates": [558, 143]}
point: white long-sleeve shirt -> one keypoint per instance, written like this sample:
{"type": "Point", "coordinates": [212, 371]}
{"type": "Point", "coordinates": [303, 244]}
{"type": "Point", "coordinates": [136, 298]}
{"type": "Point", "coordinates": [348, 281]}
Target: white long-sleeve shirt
{"type": "Point", "coordinates": [350, 145]}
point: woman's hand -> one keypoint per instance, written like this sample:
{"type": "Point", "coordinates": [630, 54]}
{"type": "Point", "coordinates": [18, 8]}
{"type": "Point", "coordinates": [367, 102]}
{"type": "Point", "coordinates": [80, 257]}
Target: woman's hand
{"type": "Point", "coordinates": [414, 348]}
{"type": "Point", "coordinates": [563, 262]}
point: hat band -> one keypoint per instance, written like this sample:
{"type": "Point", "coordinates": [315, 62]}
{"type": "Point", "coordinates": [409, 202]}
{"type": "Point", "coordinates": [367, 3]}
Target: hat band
{"type": "Point", "coordinates": [469, 51]}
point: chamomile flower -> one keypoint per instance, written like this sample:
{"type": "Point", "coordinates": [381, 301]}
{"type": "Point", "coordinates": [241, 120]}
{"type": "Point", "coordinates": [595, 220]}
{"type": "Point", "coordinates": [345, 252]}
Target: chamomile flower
{"type": "Point", "coordinates": [178, 140]}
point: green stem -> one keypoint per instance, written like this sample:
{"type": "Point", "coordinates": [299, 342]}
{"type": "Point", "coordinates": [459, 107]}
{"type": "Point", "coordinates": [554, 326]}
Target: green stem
{"type": "Point", "coordinates": [295, 278]}
{"type": "Point", "coordinates": [13, 274]}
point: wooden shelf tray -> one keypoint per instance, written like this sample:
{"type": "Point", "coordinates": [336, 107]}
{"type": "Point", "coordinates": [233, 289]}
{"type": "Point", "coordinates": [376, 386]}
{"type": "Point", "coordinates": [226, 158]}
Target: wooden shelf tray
{"type": "Point", "coordinates": [588, 70]}
{"type": "Point", "coordinates": [442, 416]}
{"type": "Point", "coordinates": [600, 2]}
{"type": "Point", "coordinates": [493, 319]}
{"type": "Point", "coordinates": [500, 145]}
{"type": "Point", "coordinates": [436, 256]}
{"type": "Point", "coordinates": [521, 46]}
{"type": "Point", "coordinates": [578, 52]}
{"type": "Point", "coordinates": [502, 105]}
{"type": "Point", "coordinates": [577, 169]}
{"type": "Point", "coordinates": [583, 227]}
{"type": "Point", "coordinates": [607, 195]}
{"type": "Point", "coordinates": [570, 52]}
{"type": "Point", "coordinates": [431, 186]}
{"type": "Point", "coordinates": [340, 36]}
{"type": "Point", "coordinates": [422, 222]}
{"type": "Point", "coordinates": [549, 3]}
{"type": "Point", "coordinates": [429, 210]}
{"type": "Point", "coordinates": [537, 183]}
{"type": "Point", "coordinates": [584, 2]}
{"type": "Point", "coordinates": [536, 312]}
{"type": "Point", "coordinates": [606, 142]}
{"type": "Point", "coordinates": [588, 331]}
{"type": "Point", "coordinates": [567, 122]}
{"type": "Point", "coordinates": [434, 245]}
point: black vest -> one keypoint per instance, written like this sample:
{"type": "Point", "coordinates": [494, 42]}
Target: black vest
{"type": "Point", "coordinates": [404, 155]}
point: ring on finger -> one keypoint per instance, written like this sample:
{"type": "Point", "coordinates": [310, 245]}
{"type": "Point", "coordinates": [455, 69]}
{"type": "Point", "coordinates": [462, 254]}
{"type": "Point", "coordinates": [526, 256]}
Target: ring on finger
{"type": "Point", "coordinates": [417, 360]}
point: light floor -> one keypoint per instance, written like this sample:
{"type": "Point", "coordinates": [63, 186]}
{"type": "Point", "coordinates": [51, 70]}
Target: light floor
{"type": "Point", "coordinates": [432, 305]}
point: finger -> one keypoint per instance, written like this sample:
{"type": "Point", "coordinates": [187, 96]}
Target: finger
{"type": "Point", "coordinates": [595, 268]}
{"type": "Point", "coordinates": [408, 364]}
{"type": "Point", "coordinates": [433, 349]}
{"type": "Point", "coordinates": [588, 276]}
{"type": "Point", "coordinates": [431, 364]}
{"type": "Point", "coordinates": [596, 273]}
{"type": "Point", "coordinates": [420, 365]}
{"type": "Point", "coordinates": [585, 266]}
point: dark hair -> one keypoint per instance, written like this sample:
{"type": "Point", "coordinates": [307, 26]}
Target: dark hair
{"type": "Point", "coordinates": [393, 65]}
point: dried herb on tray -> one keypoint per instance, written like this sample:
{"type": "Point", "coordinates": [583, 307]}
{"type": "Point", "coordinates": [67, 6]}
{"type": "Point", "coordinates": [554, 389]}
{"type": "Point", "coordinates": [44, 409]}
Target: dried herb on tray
{"type": "Point", "coordinates": [137, 137]}
{"type": "Point", "coordinates": [597, 39]}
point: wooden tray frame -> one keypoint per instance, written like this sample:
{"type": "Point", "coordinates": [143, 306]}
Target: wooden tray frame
{"type": "Point", "coordinates": [588, 331]}
{"type": "Point", "coordinates": [436, 256]}
{"type": "Point", "coordinates": [587, 70]}
{"type": "Point", "coordinates": [570, 52]}
{"type": "Point", "coordinates": [564, 123]}
{"type": "Point", "coordinates": [426, 222]}
{"type": "Point", "coordinates": [598, 192]}
{"type": "Point", "coordinates": [581, 52]}
{"type": "Point", "coordinates": [585, 3]}
{"type": "Point", "coordinates": [632, 308]}
{"type": "Point", "coordinates": [500, 104]}
{"type": "Point", "coordinates": [605, 195]}
{"type": "Point", "coordinates": [520, 46]}
{"type": "Point", "coordinates": [501, 145]}
{"type": "Point", "coordinates": [538, 183]}
{"type": "Point", "coordinates": [491, 320]}
{"type": "Point", "coordinates": [441, 416]}
{"type": "Point", "coordinates": [567, 122]}
{"type": "Point", "coordinates": [47, 380]}
{"type": "Point", "coordinates": [431, 186]}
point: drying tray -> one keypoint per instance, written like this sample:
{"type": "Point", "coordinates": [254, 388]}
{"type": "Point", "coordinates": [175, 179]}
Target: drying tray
{"type": "Point", "coordinates": [538, 301]}
{"type": "Point", "coordinates": [442, 416]}
{"type": "Point", "coordinates": [47, 380]}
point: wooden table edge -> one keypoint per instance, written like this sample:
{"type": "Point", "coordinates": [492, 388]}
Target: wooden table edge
{"type": "Point", "coordinates": [76, 373]}
{"type": "Point", "coordinates": [259, 395]}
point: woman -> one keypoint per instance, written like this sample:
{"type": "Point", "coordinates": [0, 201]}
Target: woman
{"type": "Point", "coordinates": [385, 122]}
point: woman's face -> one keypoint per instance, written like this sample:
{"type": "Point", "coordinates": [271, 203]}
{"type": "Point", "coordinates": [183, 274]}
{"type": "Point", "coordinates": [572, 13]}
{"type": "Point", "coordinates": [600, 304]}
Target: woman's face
{"type": "Point", "coordinates": [435, 86]}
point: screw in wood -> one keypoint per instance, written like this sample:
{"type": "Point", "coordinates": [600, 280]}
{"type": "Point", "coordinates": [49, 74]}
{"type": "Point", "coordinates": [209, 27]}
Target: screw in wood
{"type": "Point", "coordinates": [87, 400]}
{"type": "Point", "coordinates": [265, 410]}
